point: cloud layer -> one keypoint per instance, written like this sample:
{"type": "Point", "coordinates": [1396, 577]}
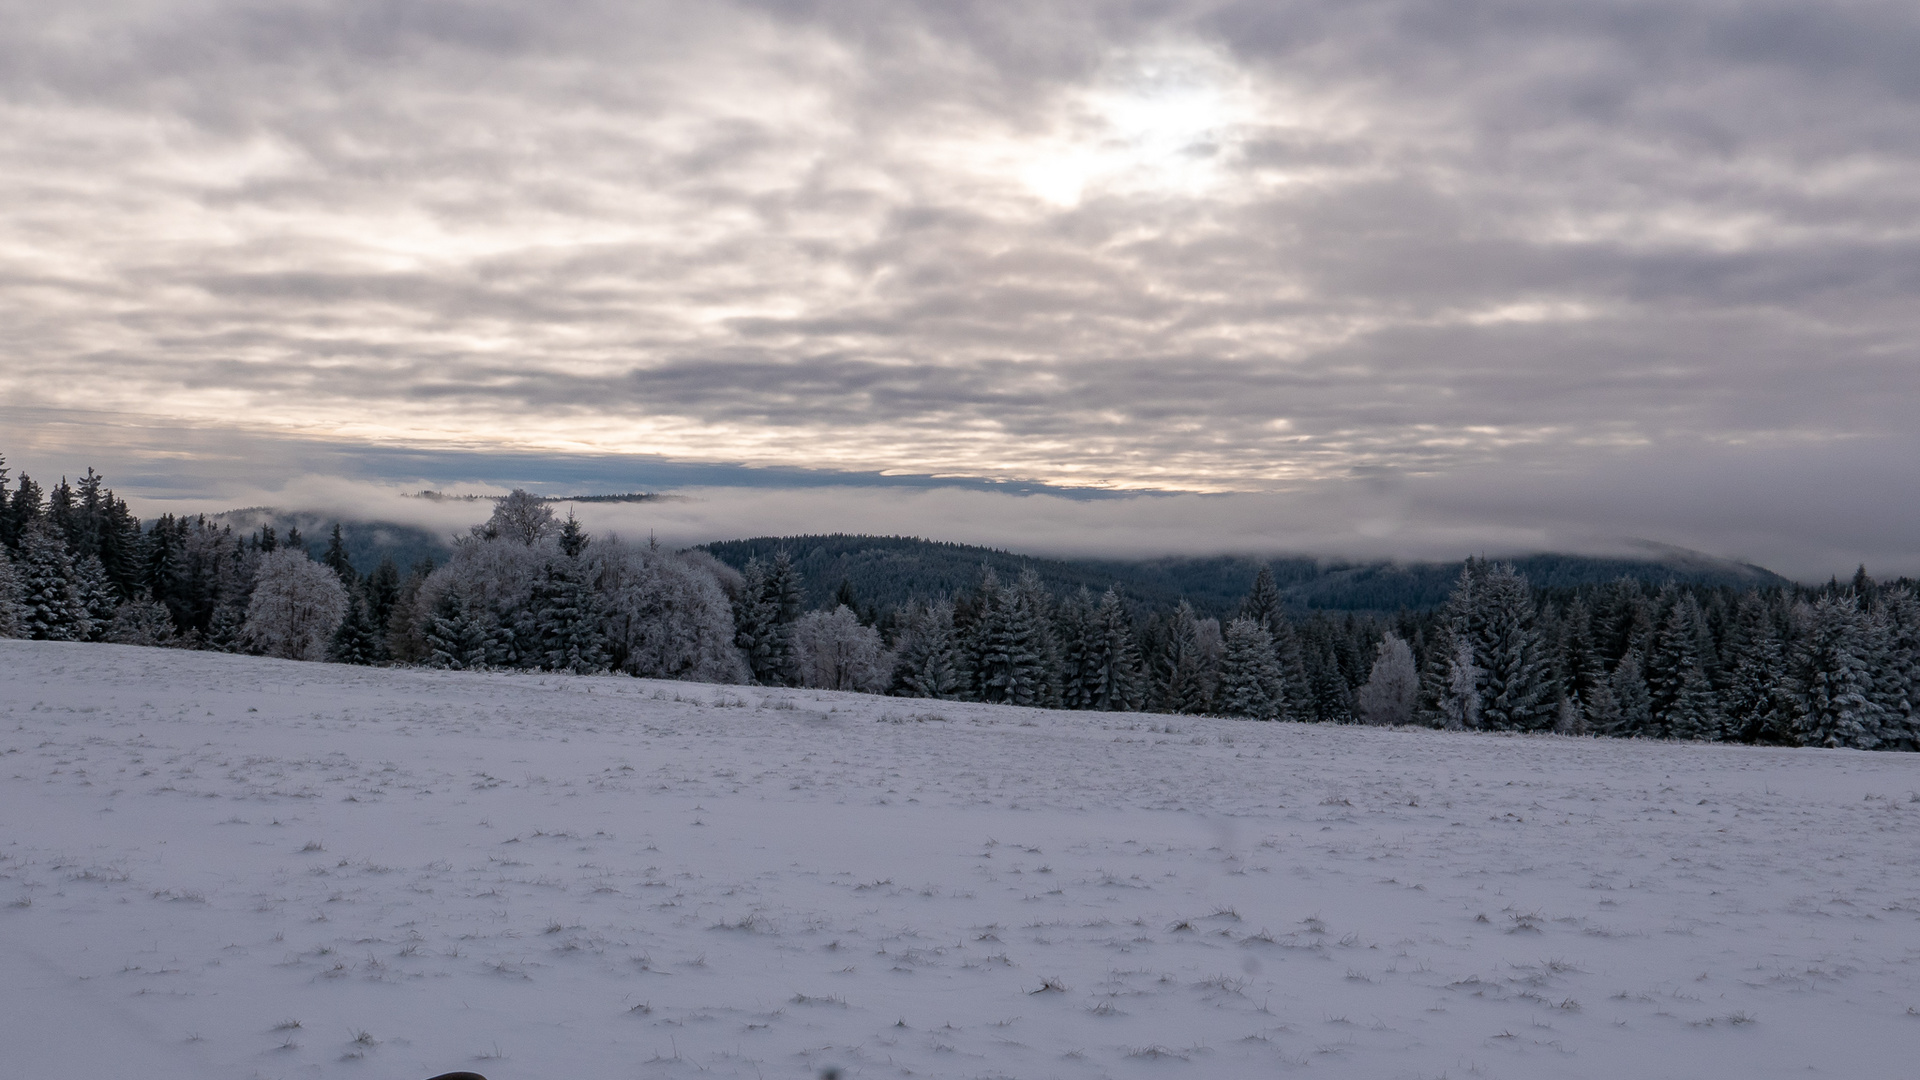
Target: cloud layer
{"type": "Point", "coordinates": [1521, 252]}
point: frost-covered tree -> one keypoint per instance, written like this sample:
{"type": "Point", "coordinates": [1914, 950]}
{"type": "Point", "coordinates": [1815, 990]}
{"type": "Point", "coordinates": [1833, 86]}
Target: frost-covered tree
{"type": "Point", "coordinates": [1632, 700]}
{"type": "Point", "coordinates": [96, 594]}
{"type": "Point", "coordinates": [664, 615]}
{"type": "Point", "coordinates": [50, 597]}
{"type": "Point", "coordinates": [1685, 705]}
{"type": "Point", "coordinates": [565, 620]}
{"type": "Point", "coordinates": [926, 662]}
{"type": "Point", "coordinates": [1182, 675]}
{"type": "Point", "coordinates": [1459, 702]}
{"type": "Point", "coordinates": [1756, 701]}
{"type": "Point", "coordinates": [520, 518]}
{"type": "Point", "coordinates": [1118, 684]}
{"type": "Point", "coordinates": [837, 653]}
{"type": "Point", "coordinates": [1514, 690]}
{"type": "Point", "coordinates": [1898, 681]}
{"type": "Point", "coordinates": [462, 633]}
{"type": "Point", "coordinates": [1251, 684]}
{"type": "Point", "coordinates": [355, 641]}
{"type": "Point", "coordinates": [141, 622]}
{"type": "Point", "coordinates": [1392, 686]}
{"type": "Point", "coordinates": [336, 559]}
{"type": "Point", "coordinates": [1837, 705]}
{"type": "Point", "coordinates": [1006, 648]}
{"type": "Point", "coordinates": [11, 609]}
{"type": "Point", "coordinates": [296, 606]}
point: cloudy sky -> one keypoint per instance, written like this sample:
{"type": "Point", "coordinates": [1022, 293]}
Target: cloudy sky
{"type": "Point", "coordinates": [1408, 277]}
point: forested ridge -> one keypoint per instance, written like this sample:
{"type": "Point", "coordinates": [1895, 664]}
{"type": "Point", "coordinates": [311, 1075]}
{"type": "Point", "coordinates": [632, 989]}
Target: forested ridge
{"type": "Point", "coordinates": [1713, 651]}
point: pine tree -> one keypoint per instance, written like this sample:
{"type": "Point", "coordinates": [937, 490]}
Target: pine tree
{"type": "Point", "coordinates": [753, 621]}
{"type": "Point", "coordinates": [461, 635]}
{"type": "Point", "coordinates": [1514, 694]}
{"type": "Point", "coordinates": [381, 594]}
{"type": "Point", "coordinates": [1118, 684]}
{"type": "Point", "coordinates": [1006, 650]}
{"type": "Point", "coordinates": [566, 621]}
{"type": "Point", "coordinates": [1074, 629]}
{"type": "Point", "coordinates": [356, 641]}
{"type": "Point", "coordinates": [1836, 705]}
{"type": "Point", "coordinates": [1754, 703]}
{"type": "Point", "coordinates": [785, 594]}
{"type": "Point", "coordinates": [22, 511]}
{"type": "Point", "coordinates": [54, 610]}
{"type": "Point", "coordinates": [95, 594]}
{"type": "Point", "coordinates": [1898, 682]}
{"type": "Point", "coordinates": [1684, 705]}
{"type": "Point", "coordinates": [337, 561]}
{"type": "Point", "coordinates": [573, 538]}
{"type": "Point", "coordinates": [1634, 702]}
{"type": "Point", "coordinates": [926, 664]}
{"type": "Point", "coordinates": [1181, 678]}
{"type": "Point", "coordinates": [12, 610]}
{"type": "Point", "coordinates": [1251, 684]}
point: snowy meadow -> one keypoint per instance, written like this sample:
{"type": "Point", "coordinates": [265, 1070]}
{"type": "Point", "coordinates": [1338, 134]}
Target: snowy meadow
{"type": "Point", "coordinates": [224, 866]}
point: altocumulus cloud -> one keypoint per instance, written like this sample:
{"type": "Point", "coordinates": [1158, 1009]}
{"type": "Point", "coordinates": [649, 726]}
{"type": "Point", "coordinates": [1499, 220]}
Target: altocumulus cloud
{"type": "Point", "coordinates": [1405, 274]}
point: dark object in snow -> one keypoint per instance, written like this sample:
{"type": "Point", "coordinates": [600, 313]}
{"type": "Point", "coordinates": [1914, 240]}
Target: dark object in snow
{"type": "Point", "coordinates": [459, 1076]}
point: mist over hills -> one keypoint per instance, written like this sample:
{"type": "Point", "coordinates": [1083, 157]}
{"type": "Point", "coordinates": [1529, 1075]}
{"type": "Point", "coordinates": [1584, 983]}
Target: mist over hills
{"type": "Point", "coordinates": [889, 571]}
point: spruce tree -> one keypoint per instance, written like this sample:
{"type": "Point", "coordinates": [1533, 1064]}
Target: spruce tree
{"type": "Point", "coordinates": [1074, 629]}
{"type": "Point", "coordinates": [1836, 703]}
{"type": "Point", "coordinates": [1181, 679]}
{"type": "Point", "coordinates": [95, 594]}
{"type": "Point", "coordinates": [1514, 693]}
{"type": "Point", "coordinates": [785, 595]}
{"type": "Point", "coordinates": [53, 608]}
{"type": "Point", "coordinates": [337, 561]}
{"type": "Point", "coordinates": [21, 512]}
{"type": "Point", "coordinates": [1251, 685]}
{"type": "Point", "coordinates": [1755, 704]}
{"type": "Point", "coordinates": [1117, 681]}
{"type": "Point", "coordinates": [926, 664]}
{"type": "Point", "coordinates": [1635, 704]}
{"type": "Point", "coordinates": [381, 594]}
{"type": "Point", "coordinates": [356, 641]}
{"type": "Point", "coordinates": [566, 620]}
{"type": "Point", "coordinates": [573, 538]}
{"type": "Point", "coordinates": [12, 611]}
{"type": "Point", "coordinates": [754, 625]}
{"type": "Point", "coordinates": [1684, 705]}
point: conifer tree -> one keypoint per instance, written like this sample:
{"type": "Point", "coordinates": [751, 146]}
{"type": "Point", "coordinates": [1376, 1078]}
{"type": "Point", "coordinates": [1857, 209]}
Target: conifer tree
{"type": "Point", "coordinates": [1684, 705]}
{"type": "Point", "coordinates": [1836, 702]}
{"type": "Point", "coordinates": [785, 596]}
{"type": "Point", "coordinates": [1635, 704]}
{"type": "Point", "coordinates": [1514, 695]}
{"type": "Point", "coordinates": [754, 618]}
{"type": "Point", "coordinates": [12, 611]}
{"type": "Point", "coordinates": [1251, 684]}
{"type": "Point", "coordinates": [573, 538]}
{"type": "Point", "coordinates": [1074, 630]}
{"type": "Point", "coordinates": [1898, 680]}
{"type": "Point", "coordinates": [95, 595]}
{"type": "Point", "coordinates": [356, 641]}
{"type": "Point", "coordinates": [1007, 648]}
{"type": "Point", "coordinates": [566, 621]}
{"type": "Point", "coordinates": [1755, 703]}
{"type": "Point", "coordinates": [22, 510]}
{"type": "Point", "coordinates": [926, 664]}
{"type": "Point", "coordinates": [1117, 684]}
{"type": "Point", "coordinates": [381, 594]}
{"type": "Point", "coordinates": [336, 559]}
{"type": "Point", "coordinates": [54, 610]}
{"type": "Point", "coordinates": [1180, 672]}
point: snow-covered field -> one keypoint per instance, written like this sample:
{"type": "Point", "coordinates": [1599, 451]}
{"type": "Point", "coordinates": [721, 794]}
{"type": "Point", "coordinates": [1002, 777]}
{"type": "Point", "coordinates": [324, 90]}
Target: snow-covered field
{"type": "Point", "coordinates": [216, 866]}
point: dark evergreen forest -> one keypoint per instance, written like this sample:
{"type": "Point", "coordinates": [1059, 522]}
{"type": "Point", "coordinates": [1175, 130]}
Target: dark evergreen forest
{"type": "Point", "coordinates": [1681, 648]}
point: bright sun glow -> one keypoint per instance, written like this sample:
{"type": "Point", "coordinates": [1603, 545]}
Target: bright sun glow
{"type": "Point", "coordinates": [1160, 123]}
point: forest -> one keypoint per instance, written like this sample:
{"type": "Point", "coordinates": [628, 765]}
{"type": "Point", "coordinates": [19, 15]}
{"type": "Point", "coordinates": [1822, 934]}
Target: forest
{"type": "Point", "coordinates": [1548, 643]}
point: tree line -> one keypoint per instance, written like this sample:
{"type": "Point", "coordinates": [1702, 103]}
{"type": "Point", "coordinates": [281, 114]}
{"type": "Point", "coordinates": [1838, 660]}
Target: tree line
{"type": "Point", "coordinates": [1834, 665]}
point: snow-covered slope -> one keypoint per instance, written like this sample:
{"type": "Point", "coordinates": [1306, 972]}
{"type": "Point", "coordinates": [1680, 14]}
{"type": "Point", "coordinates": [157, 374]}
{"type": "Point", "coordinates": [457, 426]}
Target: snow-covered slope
{"type": "Point", "coordinates": [216, 866]}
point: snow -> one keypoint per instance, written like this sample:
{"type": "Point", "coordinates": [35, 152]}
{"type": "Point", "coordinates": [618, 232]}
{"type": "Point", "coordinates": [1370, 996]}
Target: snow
{"type": "Point", "coordinates": [557, 876]}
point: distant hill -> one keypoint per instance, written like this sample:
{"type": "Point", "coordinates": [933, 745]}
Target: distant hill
{"type": "Point", "coordinates": [367, 541]}
{"type": "Point", "coordinates": [891, 570]}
